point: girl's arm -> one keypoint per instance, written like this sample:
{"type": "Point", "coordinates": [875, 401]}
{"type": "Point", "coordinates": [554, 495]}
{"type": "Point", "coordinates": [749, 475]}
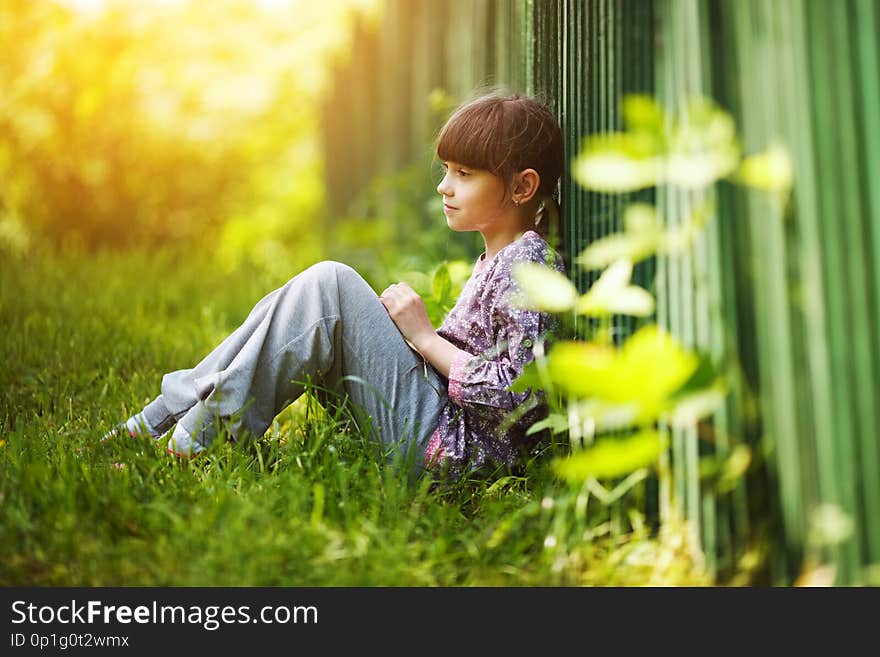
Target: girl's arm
{"type": "Point", "coordinates": [438, 351]}
{"type": "Point", "coordinates": [407, 310]}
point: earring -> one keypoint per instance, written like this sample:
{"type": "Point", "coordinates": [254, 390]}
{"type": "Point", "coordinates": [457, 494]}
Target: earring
{"type": "Point", "coordinates": [516, 201]}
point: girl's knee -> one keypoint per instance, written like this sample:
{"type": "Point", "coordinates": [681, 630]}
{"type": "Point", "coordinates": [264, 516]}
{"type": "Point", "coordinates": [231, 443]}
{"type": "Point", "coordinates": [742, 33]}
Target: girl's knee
{"type": "Point", "coordinates": [328, 275]}
{"type": "Point", "coordinates": [329, 270]}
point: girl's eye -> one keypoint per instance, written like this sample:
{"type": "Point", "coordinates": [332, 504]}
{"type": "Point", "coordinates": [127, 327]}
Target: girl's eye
{"type": "Point", "coordinates": [460, 172]}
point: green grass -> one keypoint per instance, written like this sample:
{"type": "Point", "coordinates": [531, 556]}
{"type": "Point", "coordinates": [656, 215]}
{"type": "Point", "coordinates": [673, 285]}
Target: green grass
{"type": "Point", "coordinates": [85, 342]}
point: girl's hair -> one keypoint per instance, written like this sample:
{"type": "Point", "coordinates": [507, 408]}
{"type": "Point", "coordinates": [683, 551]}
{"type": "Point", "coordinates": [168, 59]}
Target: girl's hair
{"type": "Point", "coordinates": [505, 134]}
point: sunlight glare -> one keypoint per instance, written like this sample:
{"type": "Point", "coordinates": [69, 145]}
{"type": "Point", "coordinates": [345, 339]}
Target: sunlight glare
{"type": "Point", "coordinates": [94, 6]}
{"type": "Point", "coordinates": [275, 5]}
{"type": "Point", "coordinates": [85, 5]}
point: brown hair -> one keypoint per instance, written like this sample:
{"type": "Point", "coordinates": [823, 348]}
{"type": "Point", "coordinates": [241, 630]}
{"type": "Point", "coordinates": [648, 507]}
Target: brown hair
{"type": "Point", "coordinates": [505, 134]}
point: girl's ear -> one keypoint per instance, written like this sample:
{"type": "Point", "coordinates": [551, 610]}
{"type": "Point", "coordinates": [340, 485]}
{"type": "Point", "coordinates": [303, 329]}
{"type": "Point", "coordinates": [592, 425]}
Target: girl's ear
{"type": "Point", "coordinates": [525, 185]}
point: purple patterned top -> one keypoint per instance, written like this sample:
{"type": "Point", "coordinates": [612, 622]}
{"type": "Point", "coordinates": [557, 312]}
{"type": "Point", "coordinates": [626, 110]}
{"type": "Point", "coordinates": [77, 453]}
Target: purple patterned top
{"type": "Point", "coordinates": [495, 340]}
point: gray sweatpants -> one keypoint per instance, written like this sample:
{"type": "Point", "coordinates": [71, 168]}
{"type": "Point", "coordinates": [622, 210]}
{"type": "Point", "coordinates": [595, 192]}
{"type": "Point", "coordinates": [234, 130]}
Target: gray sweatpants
{"type": "Point", "coordinates": [326, 323]}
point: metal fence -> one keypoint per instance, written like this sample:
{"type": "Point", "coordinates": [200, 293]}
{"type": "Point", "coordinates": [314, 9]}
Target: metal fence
{"type": "Point", "coordinates": [793, 298]}
{"type": "Point", "coordinates": [793, 295]}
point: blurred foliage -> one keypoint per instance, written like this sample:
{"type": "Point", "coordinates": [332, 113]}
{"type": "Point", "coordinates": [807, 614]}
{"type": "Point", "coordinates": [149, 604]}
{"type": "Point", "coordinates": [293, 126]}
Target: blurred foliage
{"type": "Point", "coordinates": [395, 230]}
{"type": "Point", "coordinates": [617, 405]}
{"type": "Point", "coordinates": [692, 148]}
{"type": "Point", "coordinates": [440, 287]}
{"type": "Point", "coordinates": [141, 123]}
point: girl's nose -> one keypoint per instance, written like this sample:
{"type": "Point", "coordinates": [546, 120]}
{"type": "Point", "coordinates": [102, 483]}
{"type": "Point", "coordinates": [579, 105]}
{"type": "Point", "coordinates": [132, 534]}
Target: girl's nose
{"type": "Point", "coordinates": [443, 188]}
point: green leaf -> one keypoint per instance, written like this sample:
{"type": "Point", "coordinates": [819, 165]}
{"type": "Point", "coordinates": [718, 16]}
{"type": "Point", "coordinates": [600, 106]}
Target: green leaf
{"type": "Point", "coordinates": [530, 378]}
{"type": "Point", "coordinates": [614, 278]}
{"type": "Point", "coordinates": [459, 272]}
{"type": "Point", "coordinates": [654, 365]}
{"type": "Point", "coordinates": [604, 416]}
{"type": "Point", "coordinates": [542, 288]}
{"type": "Point", "coordinates": [556, 422]}
{"type": "Point", "coordinates": [441, 283]}
{"type": "Point", "coordinates": [702, 145]}
{"type": "Point", "coordinates": [700, 170]}
{"type": "Point", "coordinates": [642, 113]}
{"type": "Point", "coordinates": [579, 368]}
{"type": "Point", "coordinates": [612, 457]}
{"type": "Point", "coordinates": [771, 170]}
{"type": "Point", "coordinates": [618, 162]}
{"type": "Point", "coordinates": [628, 246]}
{"type": "Point", "coordinates": [645, 372]}
{"type": "Point", "coordinates": [641, 218]}
{"type": "Point", "coordinates": [435, 311]}
{"type": "Point", "coordinates": [611, 294]}
{"type": "Point", "coordinates": [639, 240]}
{"type": "Point", "coordinates": [418, 281]}
{"type": "Point", "coordinates": [631, 300]}
{"type": "Point", "coordinates": [502, 484]}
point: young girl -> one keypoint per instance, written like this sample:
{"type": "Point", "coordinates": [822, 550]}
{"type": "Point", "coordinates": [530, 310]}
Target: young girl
{"type": "Point", "coordinates": [440, 396]}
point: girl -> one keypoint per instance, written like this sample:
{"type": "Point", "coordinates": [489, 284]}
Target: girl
{"type": "Point", "coordinates": [438, 396]}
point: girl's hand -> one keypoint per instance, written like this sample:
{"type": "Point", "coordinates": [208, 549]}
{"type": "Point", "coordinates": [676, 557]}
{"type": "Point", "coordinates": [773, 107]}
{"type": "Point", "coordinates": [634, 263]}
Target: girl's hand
{"type": "Point", "coordinates": [407, 311]}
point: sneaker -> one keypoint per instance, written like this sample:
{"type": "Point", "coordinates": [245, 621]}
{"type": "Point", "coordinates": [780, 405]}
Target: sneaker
{"type": "Point", "coordinates": [136, 425]}
{"type": "Point", "coordinates": [182, 444]}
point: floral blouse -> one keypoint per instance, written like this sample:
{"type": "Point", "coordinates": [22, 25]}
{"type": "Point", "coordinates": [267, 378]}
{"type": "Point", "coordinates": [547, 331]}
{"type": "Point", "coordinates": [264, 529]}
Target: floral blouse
{"type": "Point", "coordinates": [495, 340]}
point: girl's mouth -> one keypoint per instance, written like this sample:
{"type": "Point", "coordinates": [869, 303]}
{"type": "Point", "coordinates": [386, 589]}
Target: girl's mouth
{"type": "Point", "coordinates": [446, 206]}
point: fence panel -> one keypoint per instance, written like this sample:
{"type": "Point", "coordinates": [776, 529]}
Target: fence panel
{"type": "Point", "coordinates": [789, 294]}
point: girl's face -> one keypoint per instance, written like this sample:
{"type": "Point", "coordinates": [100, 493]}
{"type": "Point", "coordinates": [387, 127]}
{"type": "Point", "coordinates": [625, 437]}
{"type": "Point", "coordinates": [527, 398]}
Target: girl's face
{"type": "Point", "coordinates": [473, 199]}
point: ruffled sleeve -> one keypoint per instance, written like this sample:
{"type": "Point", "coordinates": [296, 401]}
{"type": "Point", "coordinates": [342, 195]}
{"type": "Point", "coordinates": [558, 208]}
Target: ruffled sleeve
{"type": "Point", "coordinates": [479, 382]}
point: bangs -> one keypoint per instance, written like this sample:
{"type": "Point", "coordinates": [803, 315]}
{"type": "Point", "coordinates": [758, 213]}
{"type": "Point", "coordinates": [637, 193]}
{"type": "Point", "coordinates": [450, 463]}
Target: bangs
{"type": "Point", "coordinates": [504, 135]}
{"type": "Point", "coordinates": [475, 137]}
